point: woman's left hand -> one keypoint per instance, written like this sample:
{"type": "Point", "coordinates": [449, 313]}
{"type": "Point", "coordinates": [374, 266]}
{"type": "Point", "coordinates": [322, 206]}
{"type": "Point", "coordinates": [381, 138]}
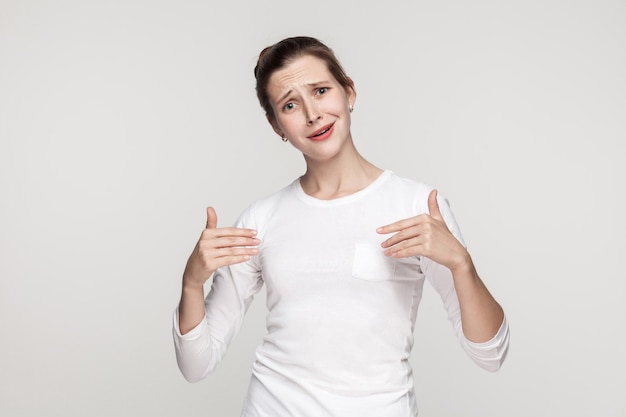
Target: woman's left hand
{"type": "Point", "coordinates": [425, 235]}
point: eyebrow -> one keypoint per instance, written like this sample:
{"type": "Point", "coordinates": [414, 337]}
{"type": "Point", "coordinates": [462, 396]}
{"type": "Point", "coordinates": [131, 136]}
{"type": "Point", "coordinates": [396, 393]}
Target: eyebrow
{"type": "Point", "coordinates": [315, 84]}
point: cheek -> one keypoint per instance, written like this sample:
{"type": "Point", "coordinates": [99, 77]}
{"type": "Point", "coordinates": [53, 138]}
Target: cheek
{"type": "Point", "coordinates": [287, 125]}
{"type": "Point", "coordinates": [338, 105]}
{"type": "Point", "coordinates": [285, 122]}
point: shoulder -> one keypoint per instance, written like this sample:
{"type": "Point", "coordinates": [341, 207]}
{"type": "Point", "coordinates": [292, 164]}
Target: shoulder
{"type": "Point", "coordinates": [409, 190]}
{"type": "Point", "coordinates": [258, 213]}
{"type": "Point", "coordinates": [416, 194]}
{"type": "Point", "coordinates": [409, 185]}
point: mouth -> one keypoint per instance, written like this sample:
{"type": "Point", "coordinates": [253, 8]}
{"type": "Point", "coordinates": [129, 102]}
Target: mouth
{"type": "Point", "coordinates": [322, 133]}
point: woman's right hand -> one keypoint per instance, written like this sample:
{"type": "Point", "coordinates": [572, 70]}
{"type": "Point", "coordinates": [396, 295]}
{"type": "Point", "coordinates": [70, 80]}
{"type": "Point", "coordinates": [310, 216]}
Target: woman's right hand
{"type": "Point", "coordinates": [218, 247]}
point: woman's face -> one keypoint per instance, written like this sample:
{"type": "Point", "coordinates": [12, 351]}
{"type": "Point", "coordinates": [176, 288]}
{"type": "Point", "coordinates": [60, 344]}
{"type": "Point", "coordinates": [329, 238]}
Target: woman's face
{"type": "Point", "coordinates": [311, 108]}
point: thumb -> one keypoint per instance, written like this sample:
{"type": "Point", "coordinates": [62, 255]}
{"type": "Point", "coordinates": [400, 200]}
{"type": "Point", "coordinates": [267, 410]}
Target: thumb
{"type": "Point", "coordinates": [211, 218]}
{"type": "Point", "coordinates": [433, 206]}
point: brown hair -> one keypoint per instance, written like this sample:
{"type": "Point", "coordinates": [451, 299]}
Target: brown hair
{"type": "Point", "coordinates": [277, 56]}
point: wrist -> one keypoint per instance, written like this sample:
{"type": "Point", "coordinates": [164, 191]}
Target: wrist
{"type": "Point", "coordinates": [192, 285]}
{"type": "Point", "coordinates": [463, 266]}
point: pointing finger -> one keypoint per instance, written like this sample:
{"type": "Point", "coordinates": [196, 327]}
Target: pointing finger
{"type": "Point", "coordinates": [399, 225]}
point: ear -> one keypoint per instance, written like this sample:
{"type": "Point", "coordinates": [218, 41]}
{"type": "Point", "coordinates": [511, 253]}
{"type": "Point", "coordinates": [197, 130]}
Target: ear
{"type": "Point", "coordinates": [272, 121]}
{"type": "Point", "coordinates": [351, 92]}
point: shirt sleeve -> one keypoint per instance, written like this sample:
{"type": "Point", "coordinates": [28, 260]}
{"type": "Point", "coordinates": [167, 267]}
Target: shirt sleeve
{"type": "Point", "coordinates": [199, 351]}
{"type": "Point", "coordinates": [488, 355]}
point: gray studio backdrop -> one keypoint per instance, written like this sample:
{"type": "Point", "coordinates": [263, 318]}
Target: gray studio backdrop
{"type": "Point", "coordinates": [120, 121]}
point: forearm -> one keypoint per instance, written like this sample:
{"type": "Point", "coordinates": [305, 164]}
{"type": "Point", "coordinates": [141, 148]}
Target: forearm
{"type": "Point", "coordinates": [191, 307]}
{"type": "Point", "coordinates": [481, 315]}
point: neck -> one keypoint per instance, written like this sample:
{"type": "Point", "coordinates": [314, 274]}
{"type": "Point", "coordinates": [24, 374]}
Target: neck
{"type": "Point", "coordinates": [343, 175]}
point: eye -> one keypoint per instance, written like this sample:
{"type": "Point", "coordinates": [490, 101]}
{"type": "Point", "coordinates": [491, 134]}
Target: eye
{"type": "Point", "coordinates": [322, 90]}
{"type": "Point", "coordinates": [288, 106]}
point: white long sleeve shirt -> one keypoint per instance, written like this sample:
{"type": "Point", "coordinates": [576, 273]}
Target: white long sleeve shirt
{"type": "Point", "coordinates": [341, 313]}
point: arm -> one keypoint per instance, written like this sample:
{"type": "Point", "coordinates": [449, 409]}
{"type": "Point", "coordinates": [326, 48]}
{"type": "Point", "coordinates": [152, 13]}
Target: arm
{"type": "Point", "coordinates": [481, 315]}
{"type": "Point", "coordinates": [449, 267]}
{"type": "Point", "coordinates": [204, 328]}
{"type": "Point", "coordinates": [488, 354]}
{"type": "Point", "coordinates": [215, 248]}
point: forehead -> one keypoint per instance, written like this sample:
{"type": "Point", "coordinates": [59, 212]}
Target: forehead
{"type": "Point", "coordinates": [300, 72]}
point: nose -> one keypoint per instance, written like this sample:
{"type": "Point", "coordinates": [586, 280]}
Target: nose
{"type": "Point", "coordinates": [312, 113]}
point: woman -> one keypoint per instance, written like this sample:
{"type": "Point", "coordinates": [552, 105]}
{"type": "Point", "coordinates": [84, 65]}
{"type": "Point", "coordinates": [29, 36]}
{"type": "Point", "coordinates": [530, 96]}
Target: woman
{"type": "Point", "coordinates": [344, 251]}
